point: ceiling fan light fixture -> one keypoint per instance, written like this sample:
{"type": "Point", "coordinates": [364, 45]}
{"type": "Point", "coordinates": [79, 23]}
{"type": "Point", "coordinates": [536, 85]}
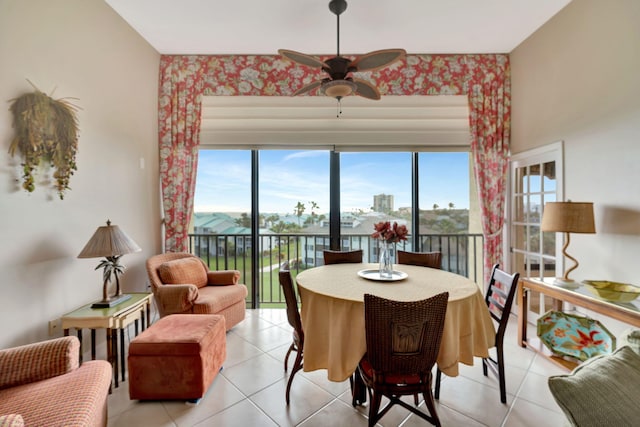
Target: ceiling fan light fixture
{"type": "Point", "coordinates": [339, 88]}
{"type": "Point", "coordinates": [340, 82]}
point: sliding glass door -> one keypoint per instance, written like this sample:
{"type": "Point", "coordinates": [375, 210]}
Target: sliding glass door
{"type": "Point", "coordinates": [374, 187]}
{"type": "Point", "coordinates": [260, 211]}
{"type": "Point", "coordinates": [293, 194]}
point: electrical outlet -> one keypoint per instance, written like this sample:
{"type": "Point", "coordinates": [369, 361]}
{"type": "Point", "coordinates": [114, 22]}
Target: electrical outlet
{"type": "Point", "coordinates": [54, 326]}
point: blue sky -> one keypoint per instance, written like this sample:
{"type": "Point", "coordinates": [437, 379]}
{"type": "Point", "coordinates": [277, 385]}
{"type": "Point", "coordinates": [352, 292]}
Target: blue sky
{"type": "Point", "coordinates": [289, 176]}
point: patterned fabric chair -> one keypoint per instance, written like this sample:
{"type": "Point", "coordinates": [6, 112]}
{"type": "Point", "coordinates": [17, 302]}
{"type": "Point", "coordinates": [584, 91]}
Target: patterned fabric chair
{"type": "Point", "coordinates": [182, 284]}
{"type": "Point", "coordinates": [43, 384]}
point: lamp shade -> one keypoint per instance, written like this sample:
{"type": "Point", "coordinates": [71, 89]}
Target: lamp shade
{"type": "Point", "coordinates": [339, 88]}
{"type": "Point", "coordinates": [569, 217]}
{"type": "Point", "coordinates": [109, 241]}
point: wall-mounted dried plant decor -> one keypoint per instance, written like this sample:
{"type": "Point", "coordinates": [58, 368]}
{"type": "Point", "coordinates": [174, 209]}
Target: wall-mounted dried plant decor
{"type": "Point", "coordinates": [46, 130]}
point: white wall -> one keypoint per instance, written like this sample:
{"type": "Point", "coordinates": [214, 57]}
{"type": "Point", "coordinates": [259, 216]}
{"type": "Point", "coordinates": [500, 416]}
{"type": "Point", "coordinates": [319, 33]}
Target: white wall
{"type": "Point", "coordinates": [576, 79]}
{"type": "Point", "coordinates": [82, 49]}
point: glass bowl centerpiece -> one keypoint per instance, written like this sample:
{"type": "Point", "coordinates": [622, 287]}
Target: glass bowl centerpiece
{"type": "Point", "coordinates": [612, 291]}
{"type": "Point", "coordinates": [388, 235]}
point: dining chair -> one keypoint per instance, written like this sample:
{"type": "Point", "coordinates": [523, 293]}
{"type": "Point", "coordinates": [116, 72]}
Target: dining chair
{"type": "Point", "coordinates": [342, 257]}
{"type": "Point", "coordinates": [423, 259]}
{"type": "Point", "coordinates": [403, 341]}
{"type": "Point", "coordinates": [499, 299]}
{"type": "Point", "coordinates": [293, 316]}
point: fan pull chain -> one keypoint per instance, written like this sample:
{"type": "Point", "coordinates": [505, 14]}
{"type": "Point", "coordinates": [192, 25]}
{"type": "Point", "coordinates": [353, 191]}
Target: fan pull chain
{"type": "Point", "coordinates": [339, 107]}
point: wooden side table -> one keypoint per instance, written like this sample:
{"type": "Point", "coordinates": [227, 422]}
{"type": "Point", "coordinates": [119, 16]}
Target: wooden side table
{"type": "Point", "coordinates": [627, 313]}
{"type": "Point", "coordinates": [112, 319]}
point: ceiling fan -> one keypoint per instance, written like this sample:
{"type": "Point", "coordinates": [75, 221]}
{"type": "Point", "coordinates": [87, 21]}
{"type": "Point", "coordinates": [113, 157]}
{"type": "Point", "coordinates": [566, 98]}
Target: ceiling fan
{"type": "Point", "coordinates": [340, 83]}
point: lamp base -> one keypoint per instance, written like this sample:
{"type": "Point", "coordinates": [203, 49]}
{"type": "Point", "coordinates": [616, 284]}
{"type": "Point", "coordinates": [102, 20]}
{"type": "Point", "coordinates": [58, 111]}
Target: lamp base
{"type": "Point", "coordinates": [111, 302]}
{"type": "Point", "coordinates": [566, 283]}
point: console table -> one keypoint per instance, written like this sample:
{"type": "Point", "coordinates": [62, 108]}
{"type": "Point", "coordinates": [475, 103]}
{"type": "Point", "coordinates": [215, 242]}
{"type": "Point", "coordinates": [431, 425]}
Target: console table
{"type": "Point", "coordinates": [112, 319]}
{"type": "Point", "coordinates": [627, 313]}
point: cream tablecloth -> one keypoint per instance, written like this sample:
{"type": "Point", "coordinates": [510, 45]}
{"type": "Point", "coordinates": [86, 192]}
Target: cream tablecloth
{"type": "Point", "coordinates": [332, 312]}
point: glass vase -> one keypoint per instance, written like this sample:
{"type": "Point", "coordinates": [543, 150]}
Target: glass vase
{"type": "Point", "coordinates": [385, 257]}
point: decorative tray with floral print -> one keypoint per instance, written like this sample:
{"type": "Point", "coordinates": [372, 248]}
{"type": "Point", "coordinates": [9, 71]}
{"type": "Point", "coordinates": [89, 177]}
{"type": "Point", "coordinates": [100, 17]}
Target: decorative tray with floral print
{"type": "Point", "coordinates": [580, 337]}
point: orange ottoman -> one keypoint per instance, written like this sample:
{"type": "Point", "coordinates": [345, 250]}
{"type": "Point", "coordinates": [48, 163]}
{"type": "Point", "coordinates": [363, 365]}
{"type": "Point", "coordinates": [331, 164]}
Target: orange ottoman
{"type": "Point", "coordinates": [177, 357]}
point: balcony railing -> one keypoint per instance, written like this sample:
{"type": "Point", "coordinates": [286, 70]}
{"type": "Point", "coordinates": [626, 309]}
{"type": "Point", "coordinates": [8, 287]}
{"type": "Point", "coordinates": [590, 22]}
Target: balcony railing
{"type": "Point", "coordinates": [461, 254]}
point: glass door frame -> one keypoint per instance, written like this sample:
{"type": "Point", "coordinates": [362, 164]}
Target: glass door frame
{"type": "Point", "coordinates": [539, 156]}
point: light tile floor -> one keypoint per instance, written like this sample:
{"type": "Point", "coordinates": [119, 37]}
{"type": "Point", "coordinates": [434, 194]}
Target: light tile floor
{"type": "Point", "coordinates": [250, 390]}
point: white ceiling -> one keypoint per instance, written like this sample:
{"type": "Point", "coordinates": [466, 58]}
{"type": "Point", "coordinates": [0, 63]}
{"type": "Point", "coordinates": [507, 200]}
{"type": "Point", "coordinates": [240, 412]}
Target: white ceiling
{"type": "Point", "coordinates": [264, 26]}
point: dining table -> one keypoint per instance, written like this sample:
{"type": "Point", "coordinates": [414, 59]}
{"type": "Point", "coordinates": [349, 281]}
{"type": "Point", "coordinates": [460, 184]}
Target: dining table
{"type": "Point", "coordinates": [332, 314]}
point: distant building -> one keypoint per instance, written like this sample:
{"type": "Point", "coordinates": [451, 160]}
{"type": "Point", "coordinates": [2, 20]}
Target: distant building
{"type": "Point", "coordinates": [383, 203]}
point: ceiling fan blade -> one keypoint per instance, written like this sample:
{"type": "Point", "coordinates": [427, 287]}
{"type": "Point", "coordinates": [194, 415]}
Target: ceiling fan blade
{"type": "Point", "coordinates": [301, 58]}
{"type": "Point", "coordinates": [307, 88]}
{"type": "Point", "coordinates": [366, 89]}
{"type": "Point", "coordinates": [378, 59]}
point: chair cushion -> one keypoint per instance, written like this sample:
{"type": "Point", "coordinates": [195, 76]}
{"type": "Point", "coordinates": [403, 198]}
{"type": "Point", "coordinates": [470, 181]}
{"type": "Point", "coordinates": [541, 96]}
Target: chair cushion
{"type": "Point", "coordinates": [215, 299]}
{"type": "Point", "coordinates": [602, 391]}
{"type": "Point", "coordinates": [183, 271]}
{"type": "Point", "coordinates": [367, 371]}
{"type": "Point", "coordinates": [179, 335]}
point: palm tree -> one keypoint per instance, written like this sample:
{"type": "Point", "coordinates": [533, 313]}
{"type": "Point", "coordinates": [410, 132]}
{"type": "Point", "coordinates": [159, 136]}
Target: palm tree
{"type": "Point", "coordinates": [244, 220]}
{"type": "Point", "coordinates": [298, 211]}
{"type": "Point", "coordinates": [278, 227]}
{"type": "Point", "coordinates": [271, 219]}
{"type": "Point", "coordinates": [111, 266]}
{"type": "Point", "coordinates": [314, 206]}
{"type": "Point", "coordinates": [451, 205]}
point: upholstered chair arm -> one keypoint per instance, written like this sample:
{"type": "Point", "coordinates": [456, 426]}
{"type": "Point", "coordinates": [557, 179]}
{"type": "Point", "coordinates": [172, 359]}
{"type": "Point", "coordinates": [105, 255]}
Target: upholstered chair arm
{"type": "Point", "coordinates": [38, 361]}
{"type": "Point", "coordinates": [176, 298]}
{"type": "Point", "coordinates": [223, 277]}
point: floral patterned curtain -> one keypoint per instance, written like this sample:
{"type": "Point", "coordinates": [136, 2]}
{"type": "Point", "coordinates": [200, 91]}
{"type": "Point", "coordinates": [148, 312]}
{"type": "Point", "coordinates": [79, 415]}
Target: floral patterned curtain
{"type": "Point", "coordinates": [184, 79]}
{"type": "Point", "coordinates": [179, 137]}
{"type": "Point", "coordinates": [489, 121]}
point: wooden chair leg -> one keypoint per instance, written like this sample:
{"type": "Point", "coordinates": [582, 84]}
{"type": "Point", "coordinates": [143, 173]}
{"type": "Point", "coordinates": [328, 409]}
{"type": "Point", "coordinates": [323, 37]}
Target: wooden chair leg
{"type": "Point", "coordinates": [374, 407]}
{"type": "Point", "coordinates": [431, 406]}
{"type": "Point", "coordinates": [286, 357]}
{"type": "Point", "coordinates": [501, 376]}
{"type": "Point", "coordinates": [297, 365]}
{"type": "Point", "coordinates": [436, 392]}
{"type": "Point", "coordinates": [358, 389]}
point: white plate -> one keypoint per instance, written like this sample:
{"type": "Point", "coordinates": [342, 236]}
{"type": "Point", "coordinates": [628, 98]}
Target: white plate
{"type": "Point", "coordinates": [375, 275]}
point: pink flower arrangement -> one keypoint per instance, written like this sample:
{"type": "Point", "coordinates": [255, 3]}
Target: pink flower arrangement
{"type": "Point", "coordinates": [390, 234]}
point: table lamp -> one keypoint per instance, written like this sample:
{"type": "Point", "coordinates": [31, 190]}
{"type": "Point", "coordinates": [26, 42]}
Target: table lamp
{"type": "Point", "coordinates": [568, 217]}
{"type": "Point", "coordinates": [111, 243]}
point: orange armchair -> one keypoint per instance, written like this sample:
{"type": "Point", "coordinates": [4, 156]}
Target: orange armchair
{"type": "Point", "coordinates": [183, 283]}
{"type": "Point", "coordinates": [43, 384]}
